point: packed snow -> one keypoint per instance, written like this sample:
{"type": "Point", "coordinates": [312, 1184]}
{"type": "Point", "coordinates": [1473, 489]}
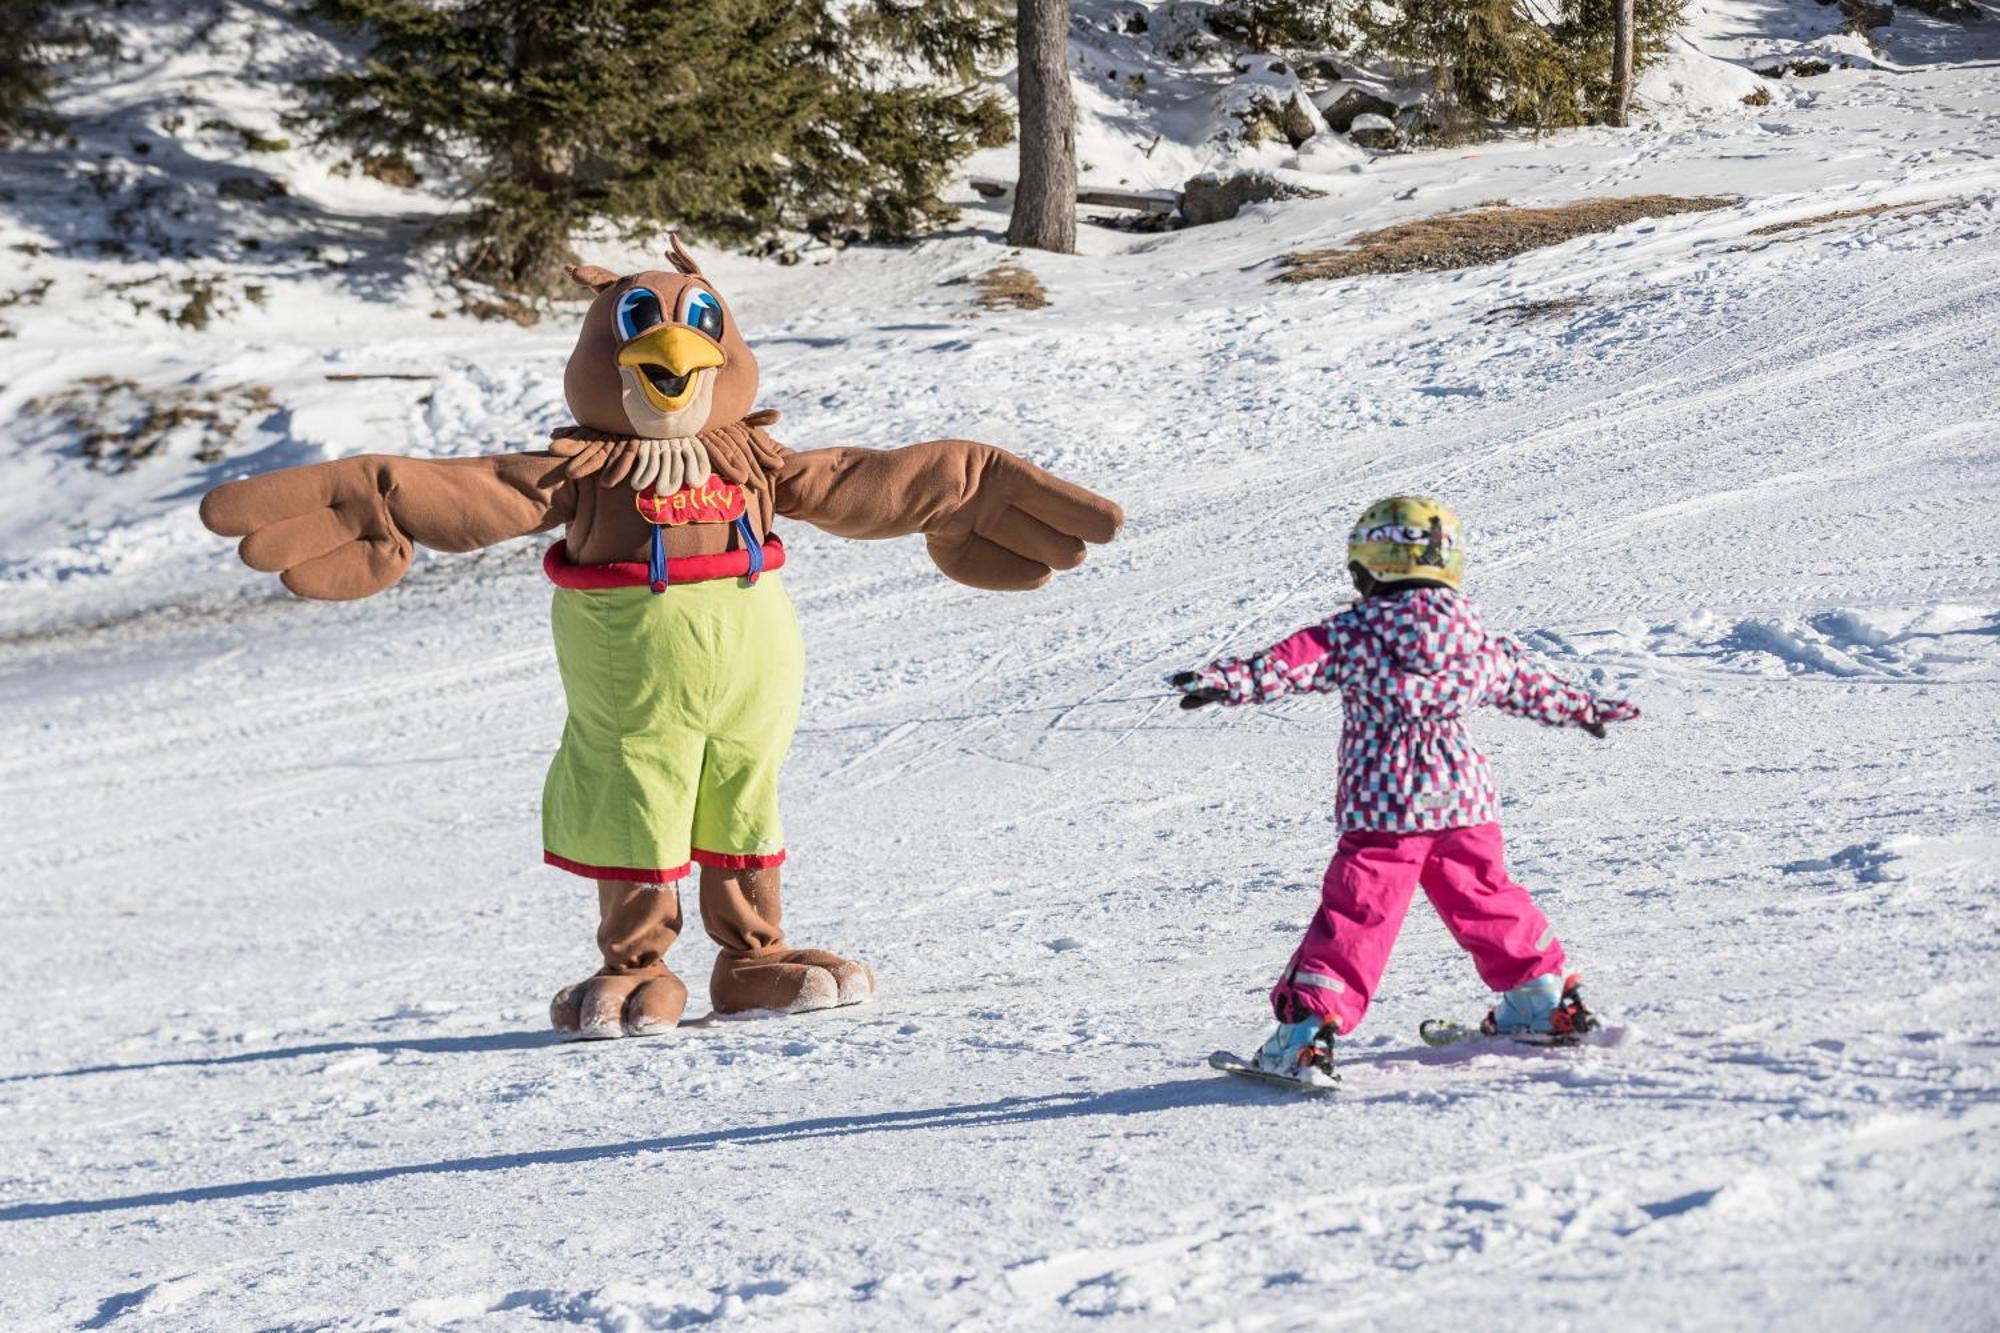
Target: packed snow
{"type": "Point", "coordinates": [280, 944]}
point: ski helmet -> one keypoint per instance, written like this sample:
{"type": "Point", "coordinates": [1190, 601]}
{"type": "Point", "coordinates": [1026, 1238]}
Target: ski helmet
{"type": "Point", "coordinates": [1408, 537]}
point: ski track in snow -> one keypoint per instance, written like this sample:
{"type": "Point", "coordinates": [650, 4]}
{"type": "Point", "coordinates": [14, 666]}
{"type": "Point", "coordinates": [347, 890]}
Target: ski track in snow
{"type": "Point", "coordinates": [280, 941]}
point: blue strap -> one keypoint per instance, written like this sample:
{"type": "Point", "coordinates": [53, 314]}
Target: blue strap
{"type": "Point", "coordinates": [656, 562]}
{"type": "Point", "coordinates": [751, 544]}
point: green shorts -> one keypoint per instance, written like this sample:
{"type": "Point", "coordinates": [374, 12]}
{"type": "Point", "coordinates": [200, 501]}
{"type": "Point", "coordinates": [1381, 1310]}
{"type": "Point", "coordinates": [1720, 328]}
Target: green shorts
{"type": "Point", "coordinates": [681, 708]}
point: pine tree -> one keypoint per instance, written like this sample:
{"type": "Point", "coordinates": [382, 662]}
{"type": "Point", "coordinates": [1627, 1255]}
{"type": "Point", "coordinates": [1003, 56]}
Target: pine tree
{"type": "Point", "coordinates": [1488, 60]}
{"type": "Point", "coordinates": [24, 73]}
{"type": "Point", "coordinates": [1285, 25]}
{"type": "Point", "coordinates": [730, 119]}
{"type": "Point", "coordinates": [1587, 31]}
{"type": "Point", "coordinates": [1516, 62]}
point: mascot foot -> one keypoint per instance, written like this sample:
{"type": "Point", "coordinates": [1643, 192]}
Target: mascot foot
{"type": "Point", "coordinates": [634, 995]}
{"type": "Point", "coordinates": [789, 981]}
{"type": "Point", "coordinates": [628, 1005]}
{"type": "Point", "coordinates": [755, 969]}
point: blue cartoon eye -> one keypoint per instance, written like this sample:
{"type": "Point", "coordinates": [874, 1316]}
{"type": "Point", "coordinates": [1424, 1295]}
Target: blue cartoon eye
{"type": "Point", "coordinates": [638, 310]}
{"type": "Point", "coordinates": [704, 312]}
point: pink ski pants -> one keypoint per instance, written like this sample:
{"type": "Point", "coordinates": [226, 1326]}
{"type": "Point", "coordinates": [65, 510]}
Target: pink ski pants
{"type": "Point", "coordinates": [1367, 893]}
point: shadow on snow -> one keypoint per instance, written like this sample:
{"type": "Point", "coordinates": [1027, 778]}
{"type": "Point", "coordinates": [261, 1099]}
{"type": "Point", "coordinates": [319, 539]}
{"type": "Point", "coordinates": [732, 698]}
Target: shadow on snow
{"type": "Point", "coordinates": [1178, 1094]}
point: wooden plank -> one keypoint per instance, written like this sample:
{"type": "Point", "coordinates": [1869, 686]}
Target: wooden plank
{"type": "Point", "coordinates": [1096, 196]}
{"type": "Point", "coordinates": [1140, 201]}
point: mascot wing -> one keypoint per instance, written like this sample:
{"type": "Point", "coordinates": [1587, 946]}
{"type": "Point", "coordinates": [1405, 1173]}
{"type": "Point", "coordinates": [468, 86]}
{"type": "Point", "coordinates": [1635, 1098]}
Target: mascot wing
{"type": "Point", "coordinates": [346, 529]}
{"type": "Point", "coordinates": [992, 520]}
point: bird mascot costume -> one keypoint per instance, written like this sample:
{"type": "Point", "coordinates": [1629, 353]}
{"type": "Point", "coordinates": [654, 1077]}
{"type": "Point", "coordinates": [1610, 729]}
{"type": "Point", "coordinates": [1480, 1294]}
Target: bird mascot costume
{"type": "Point", "coordinates": [680, 657]}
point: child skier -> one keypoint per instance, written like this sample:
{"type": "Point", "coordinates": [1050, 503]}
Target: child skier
{"type": "Point", "coordinates": [1417, 804]}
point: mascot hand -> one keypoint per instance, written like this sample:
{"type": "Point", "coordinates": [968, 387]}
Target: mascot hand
{"type": "Point", "coordinates": [1018, 524]}
{"type": "Point", "coordinates": [327, 527]}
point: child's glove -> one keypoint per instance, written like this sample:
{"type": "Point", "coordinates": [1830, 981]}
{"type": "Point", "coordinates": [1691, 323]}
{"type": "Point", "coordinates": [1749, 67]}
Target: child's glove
{"type": "Point", "coordinates": [1195, 691]}
{"type": "Point", "coordinates": [1608, 710]}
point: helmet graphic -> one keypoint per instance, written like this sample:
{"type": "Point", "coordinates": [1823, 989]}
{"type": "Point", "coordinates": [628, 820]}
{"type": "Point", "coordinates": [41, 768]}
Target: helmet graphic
{"type": "Point", "coordinates": [1408, 537]}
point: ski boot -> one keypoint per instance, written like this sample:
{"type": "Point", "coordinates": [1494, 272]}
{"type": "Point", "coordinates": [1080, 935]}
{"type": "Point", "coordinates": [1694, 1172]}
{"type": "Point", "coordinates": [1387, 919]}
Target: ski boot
{"type": "Point", "coordinates": [1301, 1051]}
{"type": "Point", "coordinates": [1549, 1008]}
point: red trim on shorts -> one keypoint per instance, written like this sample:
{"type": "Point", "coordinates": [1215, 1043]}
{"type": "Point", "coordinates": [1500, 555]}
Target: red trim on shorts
{"type": "Point", "coordinates": [627, 874]}
{"type": "Point", "coordinates": [634, 574]}
{"type": "Point", "coordinates": [737, 861]}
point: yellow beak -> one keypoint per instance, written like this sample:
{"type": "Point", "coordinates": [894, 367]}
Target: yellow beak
{"type": "Point", "coordinates": [666, 359]}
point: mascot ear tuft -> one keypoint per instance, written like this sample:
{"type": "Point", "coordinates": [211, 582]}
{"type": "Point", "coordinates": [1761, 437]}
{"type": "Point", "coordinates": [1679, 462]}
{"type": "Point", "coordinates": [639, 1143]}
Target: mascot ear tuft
{"type": "Point", "coordinates": [678, 256]}
{"type": "Point", "coordinates": [591, 276]}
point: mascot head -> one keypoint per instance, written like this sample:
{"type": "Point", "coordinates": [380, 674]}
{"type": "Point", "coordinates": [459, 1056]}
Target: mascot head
{"type": "Point", "coordinates": [659, 356]}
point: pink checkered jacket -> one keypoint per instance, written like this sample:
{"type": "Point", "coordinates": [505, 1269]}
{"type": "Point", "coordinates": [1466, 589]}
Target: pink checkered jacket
{"type": "Point", "coordinates": [1408, 668]}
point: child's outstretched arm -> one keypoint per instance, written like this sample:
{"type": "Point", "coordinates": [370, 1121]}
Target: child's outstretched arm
{"type": "Point", "coordinates": [1303, 664]}
{"type": "Point", "coordinates": [1526, 689]}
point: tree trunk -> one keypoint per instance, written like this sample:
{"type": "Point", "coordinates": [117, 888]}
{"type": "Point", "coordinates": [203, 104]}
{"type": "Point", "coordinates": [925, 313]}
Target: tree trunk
{"type": "Point", "coordinates": [522, 242]}
{"type": "Point", "coordinates": [1621, 66]}
{"type": "Point", "coordinates": [518, 255]}
{"type": "Point", "coordinates": [1045, 199]}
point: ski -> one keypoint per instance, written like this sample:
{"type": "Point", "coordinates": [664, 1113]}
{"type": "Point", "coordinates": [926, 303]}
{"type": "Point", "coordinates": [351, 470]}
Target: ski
{"type": "Point", "coordinates": [1436, 1032]}
{"type": "Point", "coordinates": [1569, 1022]}
{"type": "Point", "coordinates": [1230, 1063]}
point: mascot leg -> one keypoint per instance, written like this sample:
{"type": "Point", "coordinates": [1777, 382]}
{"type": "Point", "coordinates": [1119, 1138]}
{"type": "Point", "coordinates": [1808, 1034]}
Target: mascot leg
{"type": "Point", "coordinates": [755, 970]}
{"type": "Point", "coordinates": [633, 995]}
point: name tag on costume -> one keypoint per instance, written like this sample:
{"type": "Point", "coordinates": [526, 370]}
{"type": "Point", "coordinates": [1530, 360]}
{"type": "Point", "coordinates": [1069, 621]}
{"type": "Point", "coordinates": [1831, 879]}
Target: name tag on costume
{"type": "Point", "coordinates": [714, 501]}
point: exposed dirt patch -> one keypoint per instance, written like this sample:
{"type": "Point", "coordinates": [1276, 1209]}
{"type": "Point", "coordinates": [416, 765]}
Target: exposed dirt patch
{"type": "Point", "coordinates": [255, 141]}
{"type": "Point", "coordinates": [1802, 67]}
{"type": "Point", "coordinates": [1528, 312]}
{"type": "Point", "coordinates": [510, 308]}
{"type": "Point", "coordinates": [191, 302]}
{"type": "Point", "coordinates": [1008, 286]}
{"type": "Point", "coordinates": [389, 168]}
{"type": "Point", "coordinates": [122, 423]}
{"type": "Point", "coordinates": [251, 189]}
{"type": "Point", "coordinates": [32, 294]}
{"type": "Point", "coordinates": [1484, 236]}
{"type": "Point", "coordinates": [1915, 210]}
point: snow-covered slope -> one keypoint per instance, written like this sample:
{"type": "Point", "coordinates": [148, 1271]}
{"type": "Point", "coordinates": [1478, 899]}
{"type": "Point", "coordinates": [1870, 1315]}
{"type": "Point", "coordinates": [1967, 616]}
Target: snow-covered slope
{"type": "Point", "coordinates": [279, 944]}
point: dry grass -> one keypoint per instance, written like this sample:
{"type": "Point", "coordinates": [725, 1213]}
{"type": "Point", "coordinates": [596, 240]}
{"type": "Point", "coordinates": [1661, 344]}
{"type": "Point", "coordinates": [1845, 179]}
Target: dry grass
{"type": "Point", "coordinates": [1922, 208]}
{"type": "Point", "coordinates": [1008, 286]}
{"type": "Point", "coordinates": [122, 423]}
{"type": "Point", "coordinates": [1483, 236]}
